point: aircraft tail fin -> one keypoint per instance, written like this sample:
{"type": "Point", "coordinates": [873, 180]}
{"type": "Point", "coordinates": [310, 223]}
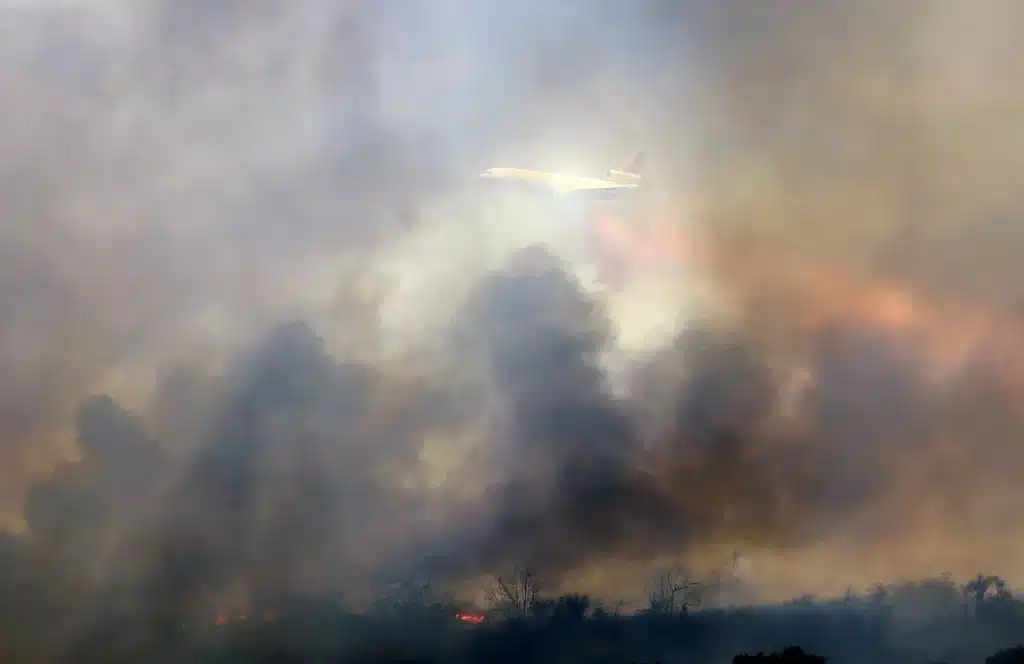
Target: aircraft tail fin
{"type": "Point", "coordinates": [636, 164]}
{"type": "Point", "coordinates": [631, 170]}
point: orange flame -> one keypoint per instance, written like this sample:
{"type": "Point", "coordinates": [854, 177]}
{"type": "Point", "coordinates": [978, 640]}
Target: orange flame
{"type": "Point", "coordinates": [472, 618]}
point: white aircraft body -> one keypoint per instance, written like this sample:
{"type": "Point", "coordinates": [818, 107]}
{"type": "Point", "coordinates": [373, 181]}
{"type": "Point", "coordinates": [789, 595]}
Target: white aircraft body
{"type": "Point", "coordinates": [615, 181]}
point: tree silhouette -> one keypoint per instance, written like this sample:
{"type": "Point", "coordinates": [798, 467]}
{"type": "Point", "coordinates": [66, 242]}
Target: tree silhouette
{"type": "Point", "coordinates": [673, 591]}
{"type": "Point", "coordinates": [791, 655]}
{"type": "Point", "coordinates": [1013, 655]}
{"type": "Point", "coordinates": [984, 587]}
{"type": "Point", "coordinates": [979, 587]}
{"type": "Point", "coordinates": [417, 599]}
{"type": "Point", "coordinates": [514, 593]}
{"type": "Point", "coordinates": [572, 608]}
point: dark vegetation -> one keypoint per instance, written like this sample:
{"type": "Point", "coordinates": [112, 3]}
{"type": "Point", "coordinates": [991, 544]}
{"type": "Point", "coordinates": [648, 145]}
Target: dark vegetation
{"type": "Point", "coordinates": [932, 621]}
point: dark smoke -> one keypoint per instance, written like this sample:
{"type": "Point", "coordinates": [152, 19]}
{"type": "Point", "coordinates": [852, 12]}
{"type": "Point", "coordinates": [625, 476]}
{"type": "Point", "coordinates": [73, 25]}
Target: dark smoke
{"type": "Point", "coordinates": [582, 482]}
{"type": "Point", "coordinates": [569, 446]}
{"type": "Point", "coordinates": [175, 176]}
{"type": "Point", "coordinates": [298, 450]}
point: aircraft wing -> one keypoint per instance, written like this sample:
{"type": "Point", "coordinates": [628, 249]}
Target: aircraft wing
{"type": "Point", "coordinates": [590, 188]}
{"type": "Point", "coordinates": [592, 184]}
{"type": "Point", "coordinates": [558, 183]}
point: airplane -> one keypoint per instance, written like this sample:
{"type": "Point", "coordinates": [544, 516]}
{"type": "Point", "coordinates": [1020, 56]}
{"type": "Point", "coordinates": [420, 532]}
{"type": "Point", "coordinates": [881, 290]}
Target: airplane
{"type": "Point", "coordinates": [615, 182]}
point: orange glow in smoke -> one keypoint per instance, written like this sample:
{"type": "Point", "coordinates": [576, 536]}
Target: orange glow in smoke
{"type": "Point", "coordinates": [951, 331]}
{"type": "Point", "coordinates": [472, 618]}
{"type": "Point", "coordinates": [660, 243]}
{"type": "Point", "coordinates": [622, 248]}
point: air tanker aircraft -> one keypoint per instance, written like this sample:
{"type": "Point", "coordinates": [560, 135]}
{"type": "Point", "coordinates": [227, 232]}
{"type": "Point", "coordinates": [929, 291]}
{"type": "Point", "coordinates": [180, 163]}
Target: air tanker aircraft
{"type": "Point", "coordinates": [615, 182]}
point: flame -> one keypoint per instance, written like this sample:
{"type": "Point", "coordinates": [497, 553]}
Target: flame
{"type": "Point", "coordinates": [472, 618]}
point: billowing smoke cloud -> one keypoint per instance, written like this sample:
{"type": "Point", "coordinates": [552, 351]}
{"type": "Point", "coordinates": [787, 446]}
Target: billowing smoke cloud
{"type": "Point", "coordinates": [856, 392]}
{"type": "Point", "coordinates": [567, 444]}
{"type": "Point", "coordinates": [865, 244]}
{"type": "Point", "coordinates": [295, 485]}
{"type": "Point", "coordinates": [177, 180]}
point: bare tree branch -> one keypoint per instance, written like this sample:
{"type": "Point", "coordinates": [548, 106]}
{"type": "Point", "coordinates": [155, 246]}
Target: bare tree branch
{"type": "Point", "coordinates": [673, 591]}
{"type": "Point", "coordinates": [514, 593]}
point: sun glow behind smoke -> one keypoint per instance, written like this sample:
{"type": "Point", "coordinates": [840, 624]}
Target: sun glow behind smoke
{"type": "Point", "coordinates": [659, 291]}
{"type": "Point", "coordinates": [655, 286]}
{"type": "Point", "coordinates": [950, 331]}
